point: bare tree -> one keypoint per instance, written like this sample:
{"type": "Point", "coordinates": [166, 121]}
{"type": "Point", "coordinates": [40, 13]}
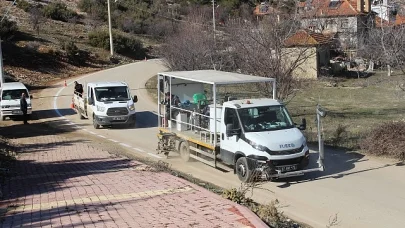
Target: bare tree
{"type": "Point", "coordinates": [261, 50]}
{"type": "Point", "coordinates": [386, 45]}
{"type": "Point", "coordinates": [241, 46]}
{"type": "Point", "coordinates": [36, 18]}
{"type": "Point", "coordinates": [193, 46]}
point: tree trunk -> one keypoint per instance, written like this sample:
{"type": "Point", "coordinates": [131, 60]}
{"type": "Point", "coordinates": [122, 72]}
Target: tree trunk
{"type": "Point", "coordinates": [389, 70]}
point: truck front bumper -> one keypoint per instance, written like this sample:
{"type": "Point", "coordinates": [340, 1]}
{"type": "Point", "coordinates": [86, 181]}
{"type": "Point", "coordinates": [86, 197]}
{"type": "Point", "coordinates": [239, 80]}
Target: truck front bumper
{"type": "Point", "coordinates": [115, 120]}
{"type": "Point", "coordinates": [272, 167]}
{"type": "Point", "coordinates": [14, 112]}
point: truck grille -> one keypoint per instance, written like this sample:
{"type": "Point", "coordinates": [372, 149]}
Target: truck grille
{"type": "Point", "coordinates": [117, 111]}
{"type": "Point", "coordinates": [292, 161]}
{"type": "Point", "coordinates": [286, 152]}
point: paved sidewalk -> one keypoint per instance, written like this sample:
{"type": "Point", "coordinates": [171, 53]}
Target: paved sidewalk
{"type": "Point", "coordinates": [63, 182]}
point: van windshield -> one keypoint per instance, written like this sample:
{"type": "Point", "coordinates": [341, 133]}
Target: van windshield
{"type": "Point", "coordinates": [115, 93]}
{"type": "Point", "coordinates": [13, 94]}
{"type": "Point", "coordinates": [266, 118]}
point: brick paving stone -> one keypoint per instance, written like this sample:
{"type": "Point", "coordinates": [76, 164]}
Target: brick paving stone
{"type": "Point", "coordinates": [64, 183]}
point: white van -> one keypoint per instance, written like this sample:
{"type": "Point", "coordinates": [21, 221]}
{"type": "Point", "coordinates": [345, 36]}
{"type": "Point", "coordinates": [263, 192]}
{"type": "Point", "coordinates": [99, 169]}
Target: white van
{"type": "Point", "coordinates": [10, 99]}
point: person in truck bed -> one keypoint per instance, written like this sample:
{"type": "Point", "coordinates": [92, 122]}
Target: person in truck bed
{"type": "Point", "coordinates": [173, 100]}
{"type": "Point", "coordinates": [79, 89]}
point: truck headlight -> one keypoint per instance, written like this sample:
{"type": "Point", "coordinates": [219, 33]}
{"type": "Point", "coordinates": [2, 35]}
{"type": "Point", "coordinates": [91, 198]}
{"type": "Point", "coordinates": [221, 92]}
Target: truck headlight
{"type": "Point", "coordinates": [100, 108]}
{"type": "Point", "coordinates": [257, 146]}
{"type": "Point", "coordinates": [131, 107]}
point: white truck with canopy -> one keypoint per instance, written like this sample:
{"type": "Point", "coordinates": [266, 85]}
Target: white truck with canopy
{"type": "Point", "coordinates": [252, 136]}
{"type": "Point", "coordinates": [106, 104]}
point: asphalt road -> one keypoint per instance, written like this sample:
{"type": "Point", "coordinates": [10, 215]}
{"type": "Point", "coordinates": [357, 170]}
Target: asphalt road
{"type": "Point", "coordinates": [362, 191]}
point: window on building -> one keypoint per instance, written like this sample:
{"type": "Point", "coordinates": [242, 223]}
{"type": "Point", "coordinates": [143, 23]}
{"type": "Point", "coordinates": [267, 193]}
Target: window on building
{"type": "Point", "coordinates": [329, 23]}
{"type": "Point", "coordinates": [344, 23]}
{"type": "Point", "coordinates": [333, 4]}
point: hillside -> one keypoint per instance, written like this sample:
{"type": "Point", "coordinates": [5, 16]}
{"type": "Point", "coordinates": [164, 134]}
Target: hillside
{"type": "Point", "coordinates": [55, 49]}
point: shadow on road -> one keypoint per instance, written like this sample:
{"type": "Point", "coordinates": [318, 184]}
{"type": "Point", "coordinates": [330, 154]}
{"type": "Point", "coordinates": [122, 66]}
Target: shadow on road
{"type": "Point", "coordinates": [146, 119]}
{"type": "Point", "coordinates": [19, 130]}
{"type": "Point", "coordinates": [338, 164]}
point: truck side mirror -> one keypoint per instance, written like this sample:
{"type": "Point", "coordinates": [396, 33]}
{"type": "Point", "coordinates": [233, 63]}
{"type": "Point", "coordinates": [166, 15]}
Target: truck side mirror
{"type": "Point", "coordinates": [303, 125]}
{"type": "Point", "coordinates": [31, 97]}
{"type": "Point", "coordinates": [135, 99]}
{"type": "Point", "coordinates": [231, 131]}
{"type": "Point", "coordinates": [90, 101]}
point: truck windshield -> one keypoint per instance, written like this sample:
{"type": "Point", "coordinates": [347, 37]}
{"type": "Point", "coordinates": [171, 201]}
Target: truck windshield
{"type": "Point", "coordinates": [116, 93]}
{"type": "Point", "coordinates": [13, 94]}
{"type": "Point", "coordinates": [266, 118]}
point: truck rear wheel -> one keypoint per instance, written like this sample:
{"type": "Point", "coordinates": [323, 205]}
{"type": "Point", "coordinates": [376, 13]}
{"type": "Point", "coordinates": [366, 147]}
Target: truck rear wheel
{"type": "Point", "coordinates": [185, 151]}
{"type": "Point", "coordinates": [242, 170]}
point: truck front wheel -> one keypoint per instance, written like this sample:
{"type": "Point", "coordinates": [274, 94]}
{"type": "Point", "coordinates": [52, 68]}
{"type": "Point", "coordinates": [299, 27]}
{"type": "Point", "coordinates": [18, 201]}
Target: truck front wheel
{"type": "Point", "coordinates": [95, 124]}
{"type": "Point", "coordinates": [242, 170]}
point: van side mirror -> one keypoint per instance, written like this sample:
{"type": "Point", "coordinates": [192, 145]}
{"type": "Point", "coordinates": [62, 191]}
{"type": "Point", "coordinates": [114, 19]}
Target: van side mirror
{"type": "Point", "coordinates": [90, 101]}
{"type": "Point", "coordinates": [31, 97]}
{"type": "Point", "coordinates": [231, 131]}
{"type": "Point", "coordinates": [303, 125]}
{"type": "Point", "coordinates": [135, 99]}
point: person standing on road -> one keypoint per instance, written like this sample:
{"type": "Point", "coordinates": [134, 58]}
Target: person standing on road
{"type": "Point", "coordinates": [24, 107]}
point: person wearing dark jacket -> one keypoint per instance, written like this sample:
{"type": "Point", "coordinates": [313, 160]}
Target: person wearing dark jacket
{"type": "Point", "coordinates": [79, 88]}
{"type": "Point", "coordinates": [24, 107]}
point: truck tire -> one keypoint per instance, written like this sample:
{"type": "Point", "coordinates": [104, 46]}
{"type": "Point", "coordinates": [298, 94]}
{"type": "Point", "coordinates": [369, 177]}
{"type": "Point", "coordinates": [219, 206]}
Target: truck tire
{"type": "Point", "coordinates": [185, 151]}
{"type": "Point", "coordinates": [3, 118]}
{"type": "Point", "coordinates": [242, 170]}
{"type": "Point", "coordinates": [95, 124]}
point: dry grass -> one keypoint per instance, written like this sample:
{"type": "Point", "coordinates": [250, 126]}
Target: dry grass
{"type": "Point", "coordinates": [388, 139]}
{"type": "Point", "coordinates": [354, 106]}
{"type": "Point", "coordinates": [46, 49]}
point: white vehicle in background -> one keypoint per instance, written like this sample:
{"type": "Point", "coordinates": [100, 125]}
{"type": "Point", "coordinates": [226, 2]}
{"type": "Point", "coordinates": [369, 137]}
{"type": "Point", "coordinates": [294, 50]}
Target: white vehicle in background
{"type": "Point", "coordinates": [10, 99]}
{"type": "Point", "coordinates": [106, 104]}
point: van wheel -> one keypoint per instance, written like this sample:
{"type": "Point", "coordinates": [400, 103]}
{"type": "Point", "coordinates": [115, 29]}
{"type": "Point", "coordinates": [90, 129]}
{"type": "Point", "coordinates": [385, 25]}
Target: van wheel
{"type": "Point", "coordinates": [241, 166]}
{"type": "Point", "coordinates": [3, 118]}
{"type": "Point", "coordinates": [185, 151]}
{"type": "Point", "coordinates": [95, 124]}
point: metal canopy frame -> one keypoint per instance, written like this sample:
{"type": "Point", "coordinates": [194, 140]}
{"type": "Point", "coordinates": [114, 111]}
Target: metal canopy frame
{"type": "Point", "coordinates": [214, 78]}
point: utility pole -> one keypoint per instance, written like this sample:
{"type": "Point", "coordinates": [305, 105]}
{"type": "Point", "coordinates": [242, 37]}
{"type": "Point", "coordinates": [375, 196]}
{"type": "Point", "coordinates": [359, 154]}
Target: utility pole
{"type": "Point", "coordinates": [213, 16]}
{"type": "Point", "coordinates": [2, 80]}
{"type": "Point", "coordinates": [110, 28]}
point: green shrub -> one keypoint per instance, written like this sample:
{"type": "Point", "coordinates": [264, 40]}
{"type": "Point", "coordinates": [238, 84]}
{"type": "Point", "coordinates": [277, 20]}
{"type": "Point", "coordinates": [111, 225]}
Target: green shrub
{"type": "Point", "coordinates": [7, 28]}
{"type": "Point", "coordinates": [24, 5]}
{"type": "Point", "coordinates": [59, 11]}
{"type": "Point", "coordinates": [123, 45]}
{"type": "Point", "coordinates": [96, 9]}
{"type": "Point", "coordinates": [73, 53]}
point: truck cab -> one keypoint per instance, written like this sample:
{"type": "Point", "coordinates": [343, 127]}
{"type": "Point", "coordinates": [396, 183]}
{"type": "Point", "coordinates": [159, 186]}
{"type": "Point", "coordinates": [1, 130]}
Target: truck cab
{"type": "Point", "coordinates": [107, 104]}
{"type": "Point", "coordinates": [261, 131]}
{"type": "Point", "coordinates": [10, 95]}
